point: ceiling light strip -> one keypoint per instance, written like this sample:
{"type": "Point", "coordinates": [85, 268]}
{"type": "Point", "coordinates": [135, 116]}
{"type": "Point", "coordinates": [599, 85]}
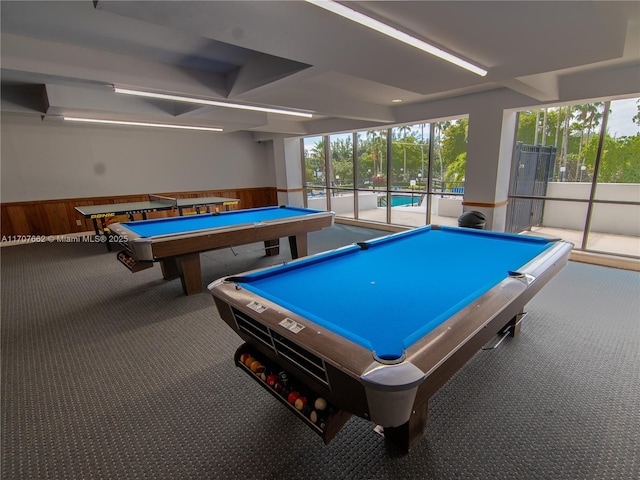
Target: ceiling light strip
{"type": "Point", "coordinates": [213, 103]}
{"type": "Point", "coordinates": [141, 124]}
{"type": "Point", "coordinates": [378, 26]}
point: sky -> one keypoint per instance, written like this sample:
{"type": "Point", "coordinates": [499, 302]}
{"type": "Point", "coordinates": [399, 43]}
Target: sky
{"type": "Point", "coordinates": [620, 123]}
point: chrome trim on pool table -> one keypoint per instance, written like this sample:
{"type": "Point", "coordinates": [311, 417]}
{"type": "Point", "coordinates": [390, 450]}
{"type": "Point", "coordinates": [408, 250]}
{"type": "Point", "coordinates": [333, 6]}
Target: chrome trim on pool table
{"type": "Point", "coordinates": [391, 392]}
{"type": "Point", "coordinates": [299, 356]}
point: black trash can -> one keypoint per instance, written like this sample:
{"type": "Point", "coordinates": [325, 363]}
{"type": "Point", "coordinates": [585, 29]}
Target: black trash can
{"type": "Point", "coordinates": [472, 219]}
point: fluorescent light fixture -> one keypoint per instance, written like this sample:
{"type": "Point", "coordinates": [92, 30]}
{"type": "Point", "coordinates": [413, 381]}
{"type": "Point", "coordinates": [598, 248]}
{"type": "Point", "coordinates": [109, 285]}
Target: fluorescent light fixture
{"type": "Point", "coordinates": [213, 103]}
{"type": "Point", "coordinates": [141, 124]}
{"type": "Point", "coordinates": [378, 26]}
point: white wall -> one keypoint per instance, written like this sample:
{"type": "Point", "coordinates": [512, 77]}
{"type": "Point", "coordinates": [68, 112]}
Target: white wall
{"type": "Point", "coordinates": [606, 218]}
{"type": "Point", "coordinates": [343, 203]}
{"type": "Point", "coordinates": [52, 160]}
{"type": "Point", "coordinates": [288, 173]}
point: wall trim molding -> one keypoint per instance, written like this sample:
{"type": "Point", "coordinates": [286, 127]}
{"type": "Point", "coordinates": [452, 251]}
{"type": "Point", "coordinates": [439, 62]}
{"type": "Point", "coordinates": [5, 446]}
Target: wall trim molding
{"type": "Point", "coordinates": [486, 205]}
{"type": "Point", "coordinates": [290, 190]}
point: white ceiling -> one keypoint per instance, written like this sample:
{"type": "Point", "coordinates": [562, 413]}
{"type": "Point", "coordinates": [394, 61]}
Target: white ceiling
{"type": "Point", "coordinates": [63, 58]}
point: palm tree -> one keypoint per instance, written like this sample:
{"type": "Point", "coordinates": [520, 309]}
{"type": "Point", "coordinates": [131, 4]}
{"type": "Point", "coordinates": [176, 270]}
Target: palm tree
{"type": "Point", "coordinates": [565, 138]}
{"type": "Point", "coordinates": [587, 118]}
{"type": "Point", "coordinates": [377, 140]}
{"type": "Point", "coordinates": [438, 128]}
{"type": "Point", "coordinates": [317, 156]}
{"type": "Point", "coordinates": [403, 132]}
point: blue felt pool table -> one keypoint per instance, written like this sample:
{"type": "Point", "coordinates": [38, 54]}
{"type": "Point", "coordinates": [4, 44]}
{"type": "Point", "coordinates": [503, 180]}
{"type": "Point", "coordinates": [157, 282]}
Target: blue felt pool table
{"type": "Point", "coordinates": [176, 242]}
{"type": "Point", "coordinates": [376, 328]}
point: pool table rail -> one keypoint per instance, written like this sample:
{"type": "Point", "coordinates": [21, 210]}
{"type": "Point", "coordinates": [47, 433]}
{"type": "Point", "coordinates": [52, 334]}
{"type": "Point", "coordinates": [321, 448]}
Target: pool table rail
{"type": "Point", "coordinates": [489, 314]}
{"type": "Point", "coordinates": [169, 245]}
{"type": "Point", "coordinates": [451, 345]}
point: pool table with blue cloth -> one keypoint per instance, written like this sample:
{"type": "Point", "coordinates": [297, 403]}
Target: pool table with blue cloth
{"type": "Point", "coordinates": [176, 242]}
{"type": "Point", "coordinates": [378, 327]}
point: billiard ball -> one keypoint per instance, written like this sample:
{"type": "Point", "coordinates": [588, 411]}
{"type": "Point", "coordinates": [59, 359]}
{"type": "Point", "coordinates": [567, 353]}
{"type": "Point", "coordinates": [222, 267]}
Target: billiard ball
{"type": "Point", "coordinates": [306, 410]}
{"type": "Point", "coordinates": [254, 366]}
{"type": "Point", "coordinates": [272, 379]}
{"type": "Point", "coordinates": [300, 402]}
{"type": "Point", "coordinates": [283, 377]}
{"type": "Point", "coordinates": [243, 357]}
{"type": "Point", "coordinates": [249, 360]}
{"type": "Point", "coordinates": [293, 396]}
{"type": "Point", "coordinates": [322, 420]}
{"type": "Point", "coordinates": [285, 391]}
{"type": "Point", "coordinates": [319, 418]}
{"type": "Point", "coordinates": [320, 404]}
{"type": "Point", "coordinates": [278, 387]}
{"type": "Point", "coordinates": [313, 416]}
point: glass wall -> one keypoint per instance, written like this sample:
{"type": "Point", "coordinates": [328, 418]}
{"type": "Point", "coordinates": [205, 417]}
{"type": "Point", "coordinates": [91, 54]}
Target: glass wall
{"type": "Point", "coordinates": [577, 173]}
{"type": "Point", "coordinates": [371, 163]}
{"type": "Point", "coordinates": [315, 171]}
{"type": "Point", "coordinates": [395, 175]}
{"type": "Point", "coordinates": [616, 194]}
{"type": "Point", "coordinates": [342, 174]}
{"type": "Point", "coordinates": [448, 170]}
{"type": "Point", "coordinates": [409, 169]}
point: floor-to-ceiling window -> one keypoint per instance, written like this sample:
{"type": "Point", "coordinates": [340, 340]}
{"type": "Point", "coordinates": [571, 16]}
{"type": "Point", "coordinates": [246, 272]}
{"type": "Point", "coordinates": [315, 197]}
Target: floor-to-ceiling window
{"type": "Point", "coordinates": [396, 175]}
{"type": "Point", "coordinates": [409, 171]}
{"type": "Point", "coordinates": [449, 164]}
{"type": "Point", "coordinates": [315, 172]}
{"type": "Point", "coordinates": [616, 191]}
{"type": "Point", "coordinates": [341, 167]}
{"type": "Point", "coordinates": [371, 163]}
{"type": "Point", "coordinates": [577, 175]}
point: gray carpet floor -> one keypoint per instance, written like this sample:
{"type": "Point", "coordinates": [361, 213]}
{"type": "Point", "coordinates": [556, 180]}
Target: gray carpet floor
{"type": "Point", "coordinates": [113, 375]}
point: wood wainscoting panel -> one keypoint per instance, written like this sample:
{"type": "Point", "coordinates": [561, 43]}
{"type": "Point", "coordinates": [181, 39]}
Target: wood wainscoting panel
{"type": "Point", "coordinates": [58, 217]}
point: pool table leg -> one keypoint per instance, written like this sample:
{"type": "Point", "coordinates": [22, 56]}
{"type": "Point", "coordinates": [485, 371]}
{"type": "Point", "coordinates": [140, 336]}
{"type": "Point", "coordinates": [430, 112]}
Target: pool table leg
{"type": "Point", "coordinates": [407, 435]}
{"type": "Point", "coordinates": [298, 245]}
{"type": "Point", "coordinates": [187, 267]}
{"type": "Point", "coordinates": [190, 273]}
{"type": "Point", "coordinates": [272, 247]}
{"type": "Point", "coordinates": [516, 324]}
{"type": "Point", "coordinates": [170, 268]}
